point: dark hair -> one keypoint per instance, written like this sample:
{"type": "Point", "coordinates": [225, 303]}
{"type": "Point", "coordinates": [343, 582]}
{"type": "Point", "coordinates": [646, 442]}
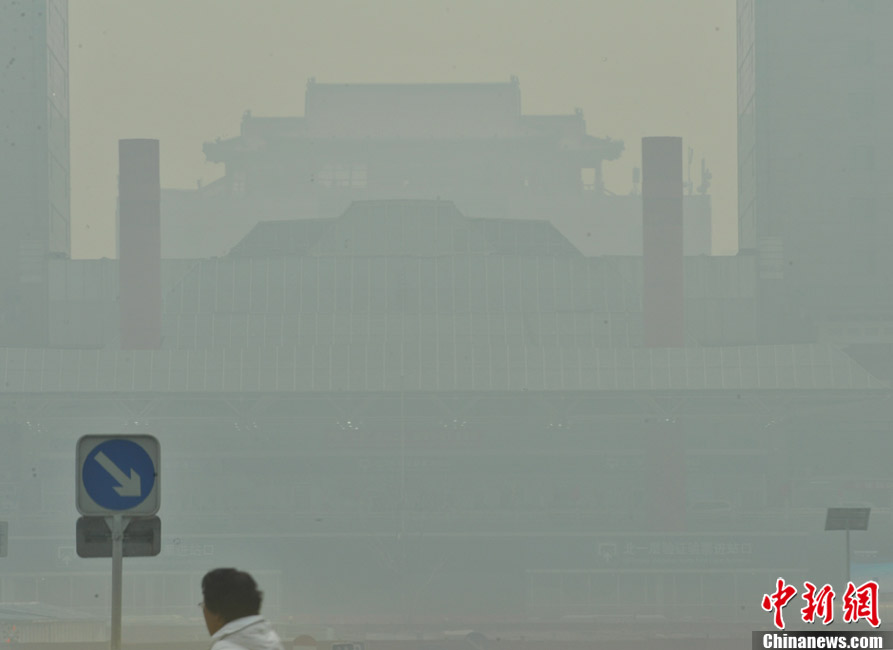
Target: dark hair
{"type": "Point", "coordinates": [231, 594]}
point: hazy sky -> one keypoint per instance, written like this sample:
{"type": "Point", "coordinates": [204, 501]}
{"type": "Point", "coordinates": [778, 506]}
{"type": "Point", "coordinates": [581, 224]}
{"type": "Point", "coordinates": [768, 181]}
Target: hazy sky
{"type": "Point", "coordinates": [184, 71]}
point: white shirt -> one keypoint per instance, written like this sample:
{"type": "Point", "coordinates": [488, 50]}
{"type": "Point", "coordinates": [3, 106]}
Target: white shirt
{"type": "Point", "coordinates": [248, 633]}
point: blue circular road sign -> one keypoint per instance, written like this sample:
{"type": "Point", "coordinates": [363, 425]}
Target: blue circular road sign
{"type": "Point", "coordinates": [118, 474]}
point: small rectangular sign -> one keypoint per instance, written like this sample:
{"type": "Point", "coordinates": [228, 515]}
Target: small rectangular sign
{"type": "Point", "coordinates": [847, 519]}
{"type": "Point", "coordinates": [142, 537]}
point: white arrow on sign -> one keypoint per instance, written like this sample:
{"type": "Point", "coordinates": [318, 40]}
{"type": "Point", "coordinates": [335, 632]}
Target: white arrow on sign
{"type": "Point", "coordinates": [129, 486]}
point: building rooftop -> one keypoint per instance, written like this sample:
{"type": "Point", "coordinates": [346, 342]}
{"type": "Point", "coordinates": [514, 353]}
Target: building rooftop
{"type": "Point", "coordinates": [405, 227]}
{"type": "Point", "coordinates": [411, 269]}
{"type": "Point", "coordinates": [411, 112]}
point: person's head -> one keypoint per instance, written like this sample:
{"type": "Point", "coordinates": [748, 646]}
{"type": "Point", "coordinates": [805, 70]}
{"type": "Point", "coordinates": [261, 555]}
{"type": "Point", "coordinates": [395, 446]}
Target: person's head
{"type": "Point", "coordinates": [228, 594]}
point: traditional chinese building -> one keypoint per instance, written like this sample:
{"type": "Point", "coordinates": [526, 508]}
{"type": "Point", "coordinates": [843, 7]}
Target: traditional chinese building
{"type": "Point", "coordinates": [465, 143]}
{"type": "Point", "coordinates": [417, 409]}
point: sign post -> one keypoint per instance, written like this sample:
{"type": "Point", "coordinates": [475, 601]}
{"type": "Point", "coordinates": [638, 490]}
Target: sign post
{"type": "Point", "coordinates": [118, 479]}
{"type": "Point", "coordinates": [116, 523]}
{"type": "Point", "coordinates": [847, 519]}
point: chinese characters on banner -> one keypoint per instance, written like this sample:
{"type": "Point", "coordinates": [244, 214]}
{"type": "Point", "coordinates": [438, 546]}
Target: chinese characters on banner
{"type": "Point", "coordinates": [858, 603]}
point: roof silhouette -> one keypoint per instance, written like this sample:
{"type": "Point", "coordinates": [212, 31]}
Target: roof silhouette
{"type": "Point", "coordinates": [404, 227]}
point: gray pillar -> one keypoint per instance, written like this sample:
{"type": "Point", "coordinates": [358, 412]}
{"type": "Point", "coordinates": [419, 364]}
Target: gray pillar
{"type": "Point", "coordinates": [139, 244]}
{"type": "Point", "coordinates": [663, 299]}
